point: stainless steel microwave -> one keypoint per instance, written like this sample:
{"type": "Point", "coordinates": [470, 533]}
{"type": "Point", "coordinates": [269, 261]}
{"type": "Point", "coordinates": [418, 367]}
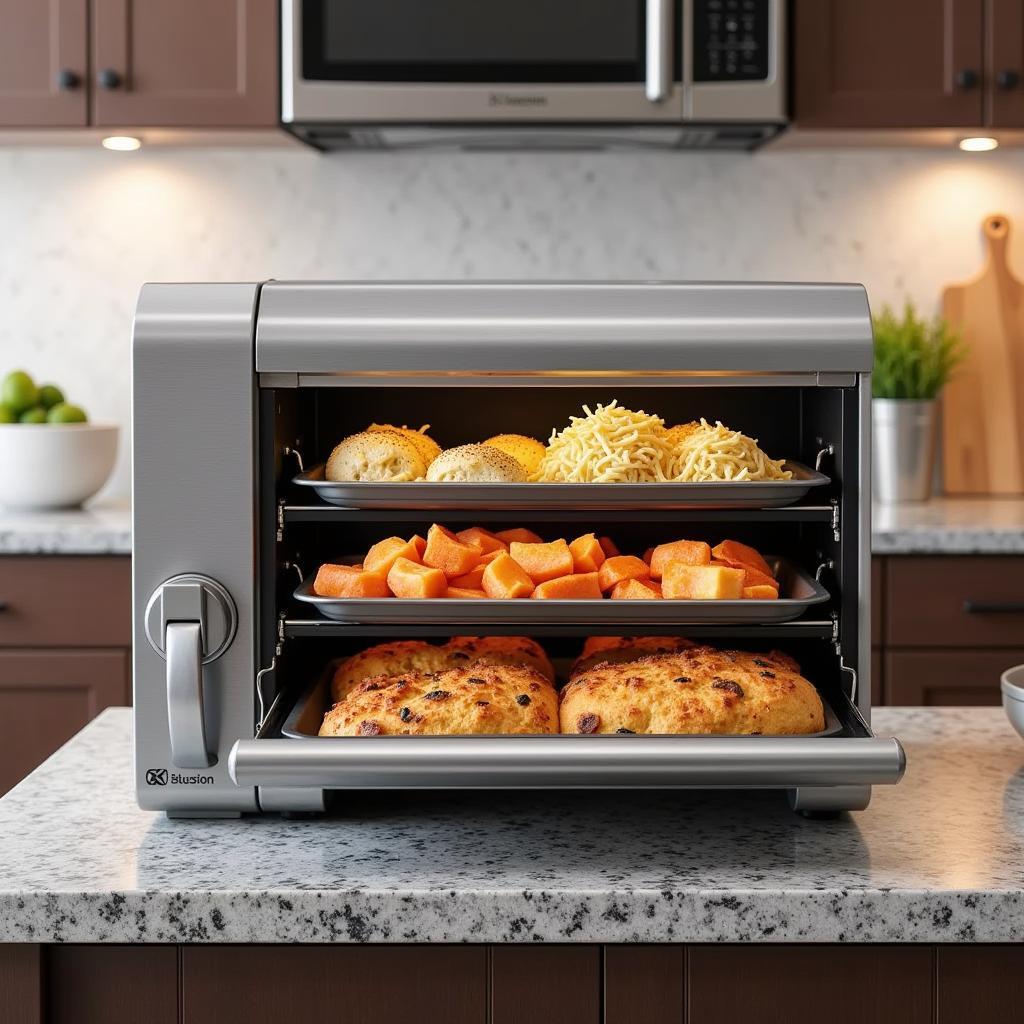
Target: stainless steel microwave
{"type": "Point", "coordinates": [561, 73]}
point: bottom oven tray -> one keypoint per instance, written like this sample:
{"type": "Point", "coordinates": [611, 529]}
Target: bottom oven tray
{"type": "Point", "coordinates": [845, 753]}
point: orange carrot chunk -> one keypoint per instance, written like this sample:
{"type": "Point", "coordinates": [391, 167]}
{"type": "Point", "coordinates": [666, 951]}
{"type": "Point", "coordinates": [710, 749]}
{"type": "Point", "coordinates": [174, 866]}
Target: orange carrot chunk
{"type": "Point", "coordinates": [464, 593]}
{"type": "Point", "coordinates": [634, 590]}
{"type": "Point", "coordinates": [505, 579]}
{"type": "Point", "coordinates": [519, 534]}
{"type": "Point", "coordinates": [689, 552]}
{"type": "Point", "coordinates": [473, 580]}
{"type": "Point", "coordinates": [647, 555]}
{"type": "Point", "coordinates": [734, 551]}
{"type": "Point", "coordinates": [483, 540]}
{"type": "Point", "coordinates": [682, 582]}
{"type": "Point", "coordinates": [419, 543]}
{"type": "Point", "coordinates": [587, 554]}
{"type": "Point", "coordinates": [621, 567]}
{"type": "Point", "coordinates": [446, 552]}
{"type": "Point", "coordinates": [576, 587]}
{"type": "Point", "coordinates": [543, 561]}
{"type": "Point", "coordinates": [348, 581]}
{"type": "Point", "coordinates": [410, 579]}
{"type": "Point", "coordinates": [382, 555]}
{"type": "Point", "coordinates": [761, 592]}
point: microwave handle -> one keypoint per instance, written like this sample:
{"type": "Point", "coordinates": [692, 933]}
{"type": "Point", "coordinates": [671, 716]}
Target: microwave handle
{"type": "Point", "coordinates": [659, 50]}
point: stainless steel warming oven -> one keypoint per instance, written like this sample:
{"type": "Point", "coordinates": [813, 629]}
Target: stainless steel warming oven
{"type": "Point", "coordinates": [240, 390]}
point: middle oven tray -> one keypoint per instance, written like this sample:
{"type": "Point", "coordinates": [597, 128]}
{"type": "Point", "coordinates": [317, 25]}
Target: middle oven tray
{"type": "Point", "coordinates": [801, 591]}
{"type": "Point", "coordinates": [510, 497]}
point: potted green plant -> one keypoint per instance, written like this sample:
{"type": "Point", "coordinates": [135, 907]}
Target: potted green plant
{"type": "Point", "coordinates": [914, 358]}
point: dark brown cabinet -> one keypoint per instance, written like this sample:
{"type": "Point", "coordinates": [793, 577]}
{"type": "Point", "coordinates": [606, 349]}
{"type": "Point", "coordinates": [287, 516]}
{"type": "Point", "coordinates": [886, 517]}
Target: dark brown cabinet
{"type": "Point", "coordinates": [138, 63]}
{"type": "Point", "coordinates": [913, 64]}
{"type": "Point", "coordinates": [190, 63]}
{"type": "Point", "coordinates": [65, 634]}
{"type": "Point", "coordinates": [43, 63]}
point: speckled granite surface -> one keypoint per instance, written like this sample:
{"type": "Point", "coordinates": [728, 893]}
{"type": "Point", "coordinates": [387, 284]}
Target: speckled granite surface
{"type": "Point", "coordinates": [939, 858]}
{"type": "Point", "coordinates": [949, 526]}
{"type": "Point", "coordinates": [104, 528]}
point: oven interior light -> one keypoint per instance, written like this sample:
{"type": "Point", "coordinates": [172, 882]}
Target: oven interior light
{"type": "Point", "coordinates": [978, 144]}
{"type": "Point", "coordinates": [122, 143]}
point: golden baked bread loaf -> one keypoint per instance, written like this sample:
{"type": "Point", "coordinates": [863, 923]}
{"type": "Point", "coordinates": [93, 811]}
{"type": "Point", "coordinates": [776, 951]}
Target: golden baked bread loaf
{"type": "Point", "coordinates": [377, 456]}
{"type": "Point", "coordinates": [428, 448]}
{"type": "Point", "coordinates": [481, 699]}
{"type": "Point", "coordinates": [615, 650]}
{"type": "Point", "coordinates": [401, 656]}
{"type": "Point", "coordinates": [527, 451]}
{"type": "Point", "coordinates": [697, 691]}
{"type": "Point", "coordinates": [476, 463]}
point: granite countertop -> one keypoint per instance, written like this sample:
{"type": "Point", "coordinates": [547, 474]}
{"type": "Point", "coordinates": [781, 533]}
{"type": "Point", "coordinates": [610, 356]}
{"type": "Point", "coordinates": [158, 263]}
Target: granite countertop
{"type": "Point", "coordinates": [938, 858]}
{"type": "Point", "coordinates": [101, 528]}
{"type": "Point", "coordinates": [949, 526]}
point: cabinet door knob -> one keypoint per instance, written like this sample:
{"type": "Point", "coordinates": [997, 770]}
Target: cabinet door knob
{"type": "Point", "coordinates": [1008, 79]}
{"type": "Point", "coordinates": [966, 79]}
{"type": "Point", "coordinates": [108, 78]}
{"type": "Point", "coordinates": [68, 79]}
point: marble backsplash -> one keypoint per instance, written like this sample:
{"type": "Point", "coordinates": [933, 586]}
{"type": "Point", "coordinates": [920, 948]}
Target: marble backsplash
{"type": "Point", "coordinates": [82, 229]}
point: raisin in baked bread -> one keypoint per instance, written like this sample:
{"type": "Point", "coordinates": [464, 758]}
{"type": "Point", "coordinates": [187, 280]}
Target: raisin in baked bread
{"type": "Point", "coordinates": [697, 691]}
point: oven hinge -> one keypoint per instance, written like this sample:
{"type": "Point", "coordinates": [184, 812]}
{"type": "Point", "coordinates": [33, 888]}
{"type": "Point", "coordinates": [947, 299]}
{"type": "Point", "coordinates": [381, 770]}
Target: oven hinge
{"type": "Point", "coordinates": [835, 634]}
{"type": "Point", "coordinates": [835, 520]}
{"type": "Point", "coordinates": [280, 521]}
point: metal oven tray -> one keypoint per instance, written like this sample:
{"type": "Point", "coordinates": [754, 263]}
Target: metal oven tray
{"type": "Point", "coordinates": [801, 590]}
{"type": "Point", "coordinates": [417, 495]}
{"type": "Point", "coordinates": [303, 722]}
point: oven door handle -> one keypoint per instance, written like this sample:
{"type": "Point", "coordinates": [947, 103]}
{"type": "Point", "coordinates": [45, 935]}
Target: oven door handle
{"type": "Point", "coordinates": [658, 82]}
{"type": "Point", "coordinates": [487, 762]}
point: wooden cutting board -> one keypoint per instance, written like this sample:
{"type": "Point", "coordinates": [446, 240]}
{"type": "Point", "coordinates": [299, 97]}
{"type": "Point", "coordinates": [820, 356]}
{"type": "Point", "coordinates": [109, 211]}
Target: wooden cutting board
{"type": "Point", "coordinates": [983, 405]}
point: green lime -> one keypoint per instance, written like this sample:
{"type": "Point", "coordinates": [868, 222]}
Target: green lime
{"type": "Point", "coordinates": [19, 391]}
{"type": "Point", "coordinates": [37, 414]}
{"type": "Point", "coordinates": [66, 413]}
{"type": "Point", "coordinates": [50, 395]}
{"type": "Point", "coordinates": [7, 414]}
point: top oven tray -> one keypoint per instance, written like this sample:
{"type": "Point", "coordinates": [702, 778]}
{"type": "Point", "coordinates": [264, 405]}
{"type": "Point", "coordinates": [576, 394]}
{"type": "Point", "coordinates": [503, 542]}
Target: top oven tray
{"type": "Point", "coordinates": [422, 495]}
{"type": "Point", "coordinates": [801, 592]}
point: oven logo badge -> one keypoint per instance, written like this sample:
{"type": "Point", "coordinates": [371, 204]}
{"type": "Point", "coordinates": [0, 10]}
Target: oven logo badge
{"type": "Point", "coordinates": [156, 776]}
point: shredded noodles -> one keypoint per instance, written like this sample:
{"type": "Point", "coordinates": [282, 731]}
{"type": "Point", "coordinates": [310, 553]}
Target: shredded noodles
{"type": "Point", "coordinates": [709, 452]}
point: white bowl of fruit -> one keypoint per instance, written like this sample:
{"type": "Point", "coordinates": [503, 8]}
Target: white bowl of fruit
{"type": "Point", "coordinates": [51, 456]}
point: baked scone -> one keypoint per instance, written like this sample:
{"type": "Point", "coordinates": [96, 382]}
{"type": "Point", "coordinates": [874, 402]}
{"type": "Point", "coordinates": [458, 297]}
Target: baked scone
{"type": "Point", "coordinates": [428, 448]}
{"type": "Point", "coordinates": [476, 463]}
{"type": "Point", "coordinates": [615, 650]}
{"type": "Point", "coordinates": [697, 691]}
{"type": "Point", "coordinates": [527, 451]}
{"type": "Point", "coordinates": [401, 656]}
{"type": "Point", "coordinates": [379, 456]}
{"type": "Point", "coordinates": [502, 650]}
{"type": "Point", "coordinates": [481, 699]}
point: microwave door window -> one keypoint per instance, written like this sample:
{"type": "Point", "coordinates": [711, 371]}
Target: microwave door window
{"type": "Point", "coordinates": [488, 41]}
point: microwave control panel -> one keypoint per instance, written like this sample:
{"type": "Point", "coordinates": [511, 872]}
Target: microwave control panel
{"type": "Point", "coordinates": [730, 40]}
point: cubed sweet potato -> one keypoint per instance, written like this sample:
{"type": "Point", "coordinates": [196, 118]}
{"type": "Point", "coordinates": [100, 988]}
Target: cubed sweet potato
{"type": "Point", "coordinates": [482, 539]}
{"type": "Point", "coordinates": [734, 551]}
{"type": "Point", "coordinates": [382, 555]}
{"type": "Point", "coordinates": [751, 577]}
{"type": "Point", "coordinates": [348, 581]}
{"type": "Point", "coordinates": [419, 543]}
{"type": "Point", "coordinates": [634, 590]}
{"type": "Point", "coordinates": [464, 593]}
{"type": "Point", "coordinates": [446, 552]}
{"type": "Point", "coordinates": [505, 579]}
{"type": "Point", "coordinates": [621, 567]}
{"type": "Point", "coordinates": [761, 592]}
{"type": "Point", "coordinates": [682, 582]}
{"type": "Point", "coordinates": [609, 547]}
{"type": "Point", "coordinates": [688, 552]}
{"type": "Point", "coordinates": [581, 586]}
{"type": "Point", "coordinates": [519, 534]}
{"type": "Point", "coordinates": [647, 555]}
{"type": "Point", "coordinates": [490, 556]}
{"type": "Point", "coordinates": [587, 555]}
{"type": "Point", "coordinates": [472, 580]}
{"type": "Point", "coordinates": [410, 579]}
{"type": "Point", "coordinates": [543, 561]}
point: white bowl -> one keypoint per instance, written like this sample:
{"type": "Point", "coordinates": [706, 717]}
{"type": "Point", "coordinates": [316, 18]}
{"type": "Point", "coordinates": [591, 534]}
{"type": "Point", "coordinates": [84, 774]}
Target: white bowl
{"type": "Point", "coordinates": [1012, 685]}
{"type": "Point", "coordinates": [54, 465]}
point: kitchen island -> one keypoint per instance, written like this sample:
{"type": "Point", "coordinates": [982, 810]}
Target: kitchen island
{"type": "Point", "coordinates": [534, 886]}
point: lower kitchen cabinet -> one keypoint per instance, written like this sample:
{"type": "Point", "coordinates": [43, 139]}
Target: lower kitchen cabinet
{"type": "Point", "coordinates": [459, 984]}
{"type": "Point", "coordinates": [947, 678]}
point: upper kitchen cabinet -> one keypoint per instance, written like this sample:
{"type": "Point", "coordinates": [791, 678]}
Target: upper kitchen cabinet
{"type": "Point", "coordinates": [1005, 61]}
{"type": "Point", "coordinates": [43, 63]}
{"type": "Point", "coordinates": [880, 64]}
{"type": "Point", "coordinates": [184, 63]}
